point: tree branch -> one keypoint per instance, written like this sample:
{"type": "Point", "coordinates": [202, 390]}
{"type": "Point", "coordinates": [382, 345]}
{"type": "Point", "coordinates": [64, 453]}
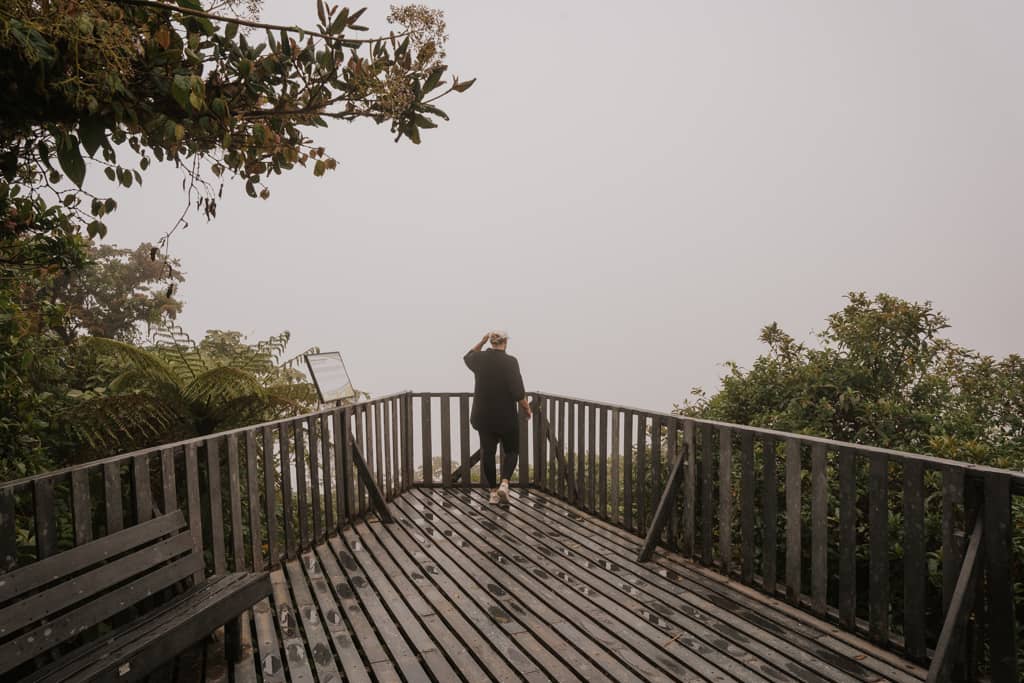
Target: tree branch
{"type": "Point", "coordinates": [250, 23]}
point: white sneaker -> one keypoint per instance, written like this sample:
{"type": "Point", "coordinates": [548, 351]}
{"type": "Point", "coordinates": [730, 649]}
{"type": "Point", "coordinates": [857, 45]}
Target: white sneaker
{"type": "Point", "coordinates": [493, 500]}
{"type": "Point", "coordinates": [503, 493]}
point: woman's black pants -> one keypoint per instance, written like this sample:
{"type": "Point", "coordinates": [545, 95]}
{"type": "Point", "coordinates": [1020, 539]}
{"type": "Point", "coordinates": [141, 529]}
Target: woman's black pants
{"type": "Point", "coordinates": [489, 440]}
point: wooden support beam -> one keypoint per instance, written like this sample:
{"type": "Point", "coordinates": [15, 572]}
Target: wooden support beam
{"type": "Point", "coordinates": [661, 514]}
{"type": "Point", "coordinates": [376, 497]}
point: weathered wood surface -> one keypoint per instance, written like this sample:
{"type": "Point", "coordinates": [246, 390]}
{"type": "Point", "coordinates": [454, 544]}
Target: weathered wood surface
{"type": "Point", "coordinates": [460, 589]}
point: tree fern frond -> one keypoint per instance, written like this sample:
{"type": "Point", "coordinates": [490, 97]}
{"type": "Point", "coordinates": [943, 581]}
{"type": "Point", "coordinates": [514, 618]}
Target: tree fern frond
{"type": "Point", "coordinates": [221, 385]}
{"type": "Point", "coordinates": [115, 424]}
{"type": "Point", "coordinates": [141, 361]}
{"type": "Point", "coordinates": [298, 362]}
{"type": "Point", "coordinates": [179, 351]}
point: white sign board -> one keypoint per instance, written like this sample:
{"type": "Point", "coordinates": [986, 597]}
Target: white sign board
{"type": "Point", "coordinates": [330, 376]}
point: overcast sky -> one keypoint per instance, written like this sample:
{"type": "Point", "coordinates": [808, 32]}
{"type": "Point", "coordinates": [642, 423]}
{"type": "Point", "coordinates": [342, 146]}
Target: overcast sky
{"type": "Point", "coordinates": [633, 190]}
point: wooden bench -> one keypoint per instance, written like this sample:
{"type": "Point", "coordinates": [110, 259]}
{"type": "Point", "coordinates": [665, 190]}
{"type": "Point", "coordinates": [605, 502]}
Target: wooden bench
{"type": "Point", "coordinates": [112, 584]}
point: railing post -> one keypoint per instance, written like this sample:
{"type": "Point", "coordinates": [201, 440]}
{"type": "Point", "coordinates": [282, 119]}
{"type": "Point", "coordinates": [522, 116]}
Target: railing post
{"type": "Point", "coordinates": [999, 579]}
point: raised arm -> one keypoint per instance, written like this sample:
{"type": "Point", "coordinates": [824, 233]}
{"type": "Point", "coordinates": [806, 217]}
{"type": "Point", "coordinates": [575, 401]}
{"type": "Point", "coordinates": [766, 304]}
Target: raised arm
{"type": "Point", "coordinates": [468, 358]}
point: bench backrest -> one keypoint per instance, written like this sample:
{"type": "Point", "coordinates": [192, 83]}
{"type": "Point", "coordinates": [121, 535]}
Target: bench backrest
{"type": "Point", "coordinates": [53, 600]}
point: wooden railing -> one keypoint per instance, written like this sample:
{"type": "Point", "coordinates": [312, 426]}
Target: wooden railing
{"type": "Point", "coordinates": [254, 495]}
{"type": "Point", "coordinates": [871, 539]}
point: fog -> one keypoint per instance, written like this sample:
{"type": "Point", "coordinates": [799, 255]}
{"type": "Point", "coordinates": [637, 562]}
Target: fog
{"type": "Point", "coordinates": [633, 190]}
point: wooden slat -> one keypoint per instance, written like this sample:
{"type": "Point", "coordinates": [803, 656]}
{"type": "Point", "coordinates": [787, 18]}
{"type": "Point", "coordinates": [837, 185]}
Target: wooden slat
{"type": "Point", "coordinates": [342, 472]}
{"type": "Point", "coordinates": [770, 502]}
{"type": "Point", "coordinates": [707, 510]}
{"type": "Point", "coordinates": [641, 482]}
{"type": "Point", "coordinates": [350, 477]}
{"type": "Point", "coordinates": [253, 499]}
{"type": "Point", "coordinates": [195, 514]}
{"type": "Point", "coordinates": [428, 467]}
{"type": "Point", "coordinates": [314, 633]}
{"type": "Point", "coordinates": [539, 464]}
{"type": "Point", "coordinates": [570, 447]}
{"type": "Point", "coordinates": [654, 455]}
{"type": "Point", "coordinates": [143, 488]}
{"type": "Point", "coordinates": [388, 477]}
{"type": "Point", "coordinates": [725, 499]}
{"type": "Point", "coordinates": [524, 448]}
{"type": "Point", "coordinates": [794, 536]}
{"type": "Point", "coordinates": [81, 505]}
{"type": "Point", "coordinates": [271, 664]}
{"type": "Point", "coordinates": [747, 494]}
{"type": "Point", "coordinates": [299, 670]}
{"type": "Point", "coordinates": [464, 442]}
{"type": "Point", "coordinates": [288, 509]}
{"type": "Point", "coordinates": [316, 509]}
{"type": "Point", "coordinates": [112, 496]}
{"type": "Point", "coordinates": [351, 662]}
{"type": "Point", "coordinates": [325, 463]}
{"type": "Point", "coordinates": [914, 560]}
{"type": "Point", "coordinates": [690, 490]}
{"type": "Point", "coordinates": [376, 452]}
{"type": "Point", "coordinates": [36, 574]}
{"type": "Point", "coordinates": [216, 505]}
{"type": "Point", "coordinates": [999, 577]}
{"type": "Point", "coordinates": [616, 457]}
{"type": "Point", "coordinates": [270, 501]}
{"type": "Point", "coordinates": [627, 469]}
{"type": "Point", "coordinates": [602, 479]}
{"type": "Point", "coordinates": [819, 530]}
{"type": "Point", "coordinates": [581, 455]}
{"type": "Point", "coordinates": [45, 517]}
{"type": "Point", "coordinates": [446, 441]}
{"type": "Point", "coordinates": [564, 485]}
{"type": "Point", "coordinates": [878, 544]}
{"type": "Point", "coordinates": [952, 548]}
{"type": "Point", "coordinates": [235, 497]}
{"type": "Point", "coordinates": [951, 635]}
{"type": "Point", "coordinates": [847, 539]}
{"type": "Point", "coordinates": [168, 476]}
{"type": "Point", "coordinates": [301, 486]}
{"type": "Point", "coordinates": [359, 443]}
{"type": "Point", "coordinates": [672, 454]}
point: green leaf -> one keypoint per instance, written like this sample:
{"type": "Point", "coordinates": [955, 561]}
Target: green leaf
{"type": "Point", "coordinates": [434, 79]}
{"type": "Point", "coordinates": [231, 30]}
{"type": "Point", "coordinates": [422, 121]}
{"type": "Point", "coordinates": [196, 101]}
{"type": "Point", "coordinates": [463, 87]}
{"type": "Point", "coordinates": [110, 173]}
{"type": "Point", "coordinates": [180, 90]}
{"type": "Point", "coordinates": [93, 134]}
{"type": "Point", "coordinates": [70, 158]}
{"type": "Point", "coordinates": [96, 229]}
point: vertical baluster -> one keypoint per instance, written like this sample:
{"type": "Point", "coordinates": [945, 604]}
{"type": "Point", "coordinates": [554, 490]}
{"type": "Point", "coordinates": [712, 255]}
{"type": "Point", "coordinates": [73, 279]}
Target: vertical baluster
{"type": "Point", "coordinates": [391, 429]}
{"type": "Point", "coordinates": [446, 441]}
{"type": "Point", "coordinates": [348, 443]}
{"type": "Point", "coordinates": [235, 497]}
{"type": "Point", "coordinates": [914, 561]}
{"type": "Point", "coordinates": [690, 490]}
{"type": "Point", "coordinates": [616, 454]}
{"type": "Point", "coordinates": [428, 458]}
{"type": "Point", "coordinates": [748, 493]}
{"type": "Point", "coordinates": [524, 448]}
{"type": "Point", "coordinates": [952, 544]}
{"type": "Point", "coordinates": [464, 454]}
{"type": "Point", "coordinates": [563, 471]}
{"type": "Point", "coordinates": [341, 473]}
{"type": "Point", "coordinates": [253, 498]}
{"type": "Point", "coordinates": [301, 485]}
{"type": "Point", "coordinates": [642, 493]}
{"type": "Point", "coordinates": [671, 454]}
{"type": "Point", "coordinates": [314, 478]}
{"type": "Point", "coordinates": [45, 519]}
{"type": "Point", "coordinates": [819, 530]}
{"type": "Point", "coordinates": [627, 470]}
{"type": "Point", "coordinates": [216, 504]}
{"type": "Point", "coordinates": [794, 494]}
{"type": "Point", "coordinates": [195, 514]}
{"type": "Point", "coordinates": [878, 521]}
{"type": "Point", "coordinates": [571, 449]}
{"type": "Point", "coordinates": [707, 509]}
{"type": "Point", "coordinates": [81, 505]}
{"type": "Point", "coordinates": [112, 496]}
{"type": "Point", "coordinates": [847, 539]}
{"type": "Point", "coordinates": [378, 445]}
{"type": "Point", "coordinates": [725, 499]}
{"type": "Point", "coordinates": [143, 488]}
{"type": "Point", "coordinates": [286, 491]}
{"type": "Point", "coordinates": [325, 463]}
{"type": "Point", "coordinates": [8, 535]}
{"type": "Point", "coordinates": [581, 452]}
{"type": "Point", "coordinates": [270, 497]}
{"type": "Point", "coordinates": [539, 464]}
{"type": "Point", "coordinates": [770, 493]}
{"type": "Point", "coordinates": [363, 438]}
{"type": "Point", "coordinates": [999, 576]}
{"type": "Point", "coordinates": [168, 476]}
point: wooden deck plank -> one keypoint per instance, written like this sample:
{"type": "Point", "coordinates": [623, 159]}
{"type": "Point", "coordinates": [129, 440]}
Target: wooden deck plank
{"type": "Point", "coordinates": [801, 630]}
{"type": "Point", "coordinates": [542, 608]}
{"type": "Point", "coordinates": [315, 634]}
{"type": "Point", "coordinates": [646, 620]}
{"type": "Point", "coordinates": [497, 603]}
{"type": "Point", "coordinates": [699, 617]}
{"type": "Point", "coordinates": [451, 609]}
{"type": "Point", "coordinates": [291, 635]}
{"type": "Point", "coordinates": [271, 664]}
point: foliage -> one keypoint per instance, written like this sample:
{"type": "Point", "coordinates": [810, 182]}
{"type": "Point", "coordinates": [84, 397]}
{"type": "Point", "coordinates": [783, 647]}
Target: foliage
{"type": "Point", "coordinates": [177, 83]}
{"type": "Point", "coordinates": [176, 389]}
{"type": "Point", "coordinates": [882, 375]}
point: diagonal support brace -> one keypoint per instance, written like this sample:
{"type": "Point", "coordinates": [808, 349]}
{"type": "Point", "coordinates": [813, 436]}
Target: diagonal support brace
{"type": "Point", "coordinates": [668, 499]}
